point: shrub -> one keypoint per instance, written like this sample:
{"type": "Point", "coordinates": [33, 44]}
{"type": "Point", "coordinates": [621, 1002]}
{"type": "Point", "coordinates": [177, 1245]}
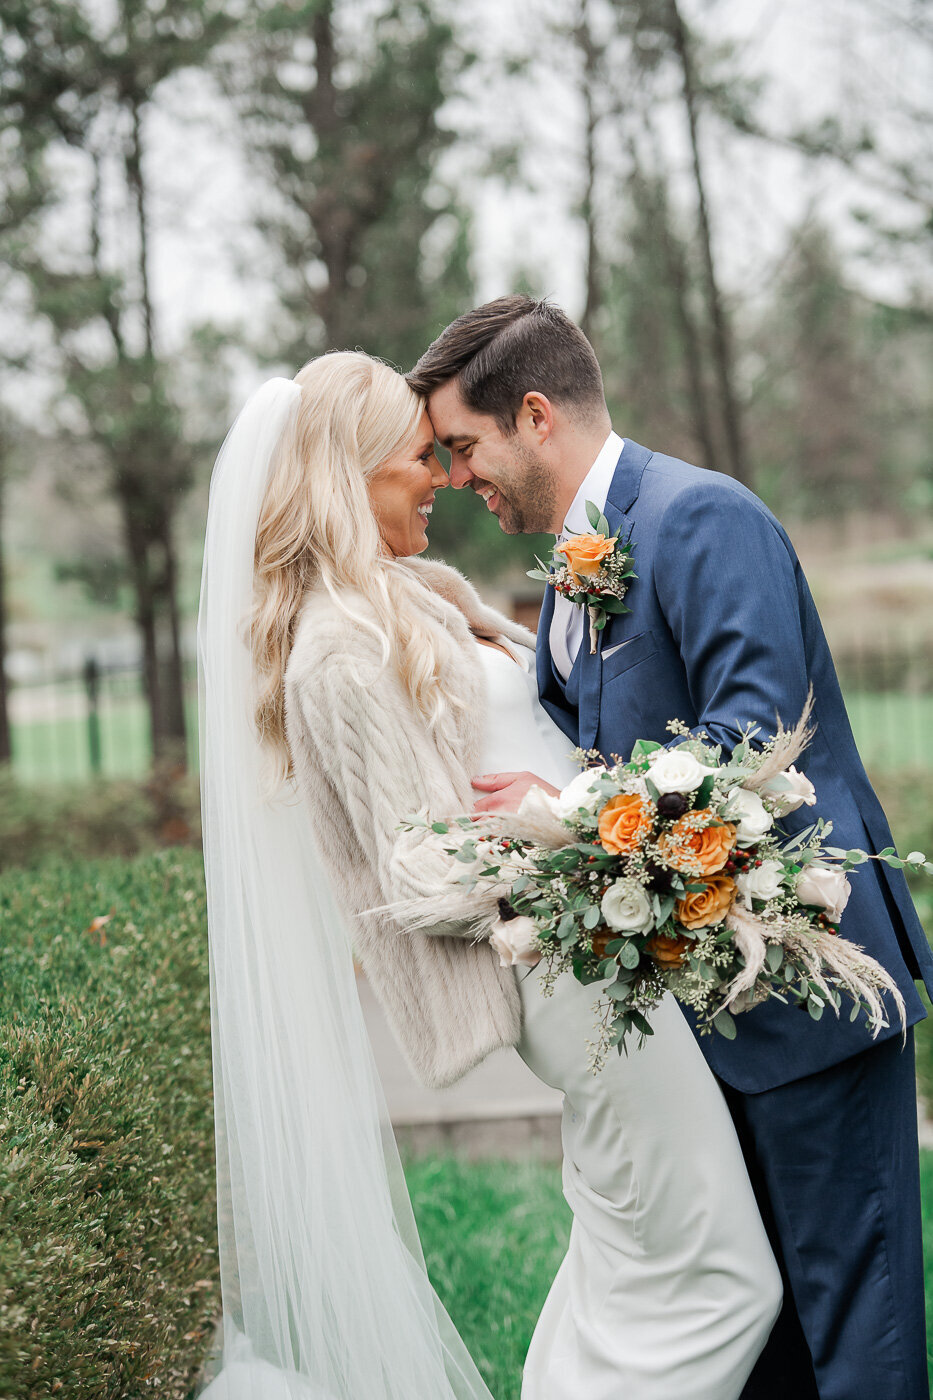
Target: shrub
{"type": "Point", "coordinates": [88, 820]}
{"type": "Point", "coordinates": [107, 1233]}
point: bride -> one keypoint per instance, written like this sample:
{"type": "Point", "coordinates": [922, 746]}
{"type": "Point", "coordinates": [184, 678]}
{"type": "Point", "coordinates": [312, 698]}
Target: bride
{"type": "Point", "coordinates": [346, 684]}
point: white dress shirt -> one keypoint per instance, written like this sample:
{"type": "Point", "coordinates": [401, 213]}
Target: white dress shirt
{"type": "Point", "coordinates": [567, 623]}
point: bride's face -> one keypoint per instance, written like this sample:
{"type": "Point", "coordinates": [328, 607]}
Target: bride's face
{"type": "Point", "coordinates": [401, 493]}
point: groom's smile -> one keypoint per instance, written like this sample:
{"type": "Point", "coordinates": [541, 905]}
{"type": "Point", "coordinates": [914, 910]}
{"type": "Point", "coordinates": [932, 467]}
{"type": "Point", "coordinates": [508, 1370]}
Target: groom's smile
{"type": "Point", "coordinates": [512, 478]}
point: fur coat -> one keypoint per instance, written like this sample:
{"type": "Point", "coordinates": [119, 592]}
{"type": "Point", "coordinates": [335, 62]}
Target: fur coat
{"type": "Point", "coordinates": [364, 758]}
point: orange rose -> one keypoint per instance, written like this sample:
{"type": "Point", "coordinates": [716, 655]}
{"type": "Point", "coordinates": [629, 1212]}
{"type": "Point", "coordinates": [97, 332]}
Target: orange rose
{"type": "Point", "coordinates": [585, 554]}
{"type": "Point", "coordinates": [707, 906]}
{"type": "Point", "coordinates": [706, 850]}
{"type": "Point", "coordinates": [624, 822]}
{"type": "Point", "coordinates": [669, 952]}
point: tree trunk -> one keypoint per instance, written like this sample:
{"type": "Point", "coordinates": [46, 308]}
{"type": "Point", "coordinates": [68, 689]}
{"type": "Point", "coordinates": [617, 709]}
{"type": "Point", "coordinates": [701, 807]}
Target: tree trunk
{"type": "Point", "coordinates": [736, 457]}
{"type": "Point", "coordinates": [134, 178]}
{"type": "Point", "coordinates": [139, 552]}
{"type": "Point", "coordinates": [586, 45]}
{"type": "Point", "coordinates": [332, 218]}
{"type": "Point", "coordinates": [678, 276]}
{"type": "Point", "coordinates": [6, 745]}
{"type": "Point", "coordinates": [175, 672]}
{"type": "Point", "coordinates": [157, 589]}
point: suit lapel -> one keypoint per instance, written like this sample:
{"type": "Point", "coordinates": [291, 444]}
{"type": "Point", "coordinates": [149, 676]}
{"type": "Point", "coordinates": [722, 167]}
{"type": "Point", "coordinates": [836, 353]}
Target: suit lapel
{"type": "Point", "coordinates": [576, 707]}
{"type": "Point", "coordinates": [623, 492]}
{"type": "Point", "coordinates": [550, 686]}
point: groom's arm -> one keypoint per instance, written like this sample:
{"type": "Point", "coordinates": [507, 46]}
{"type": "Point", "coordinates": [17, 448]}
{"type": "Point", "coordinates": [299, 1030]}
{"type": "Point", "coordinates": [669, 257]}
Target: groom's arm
{"type": "Point", "coordinates": [727, 586]}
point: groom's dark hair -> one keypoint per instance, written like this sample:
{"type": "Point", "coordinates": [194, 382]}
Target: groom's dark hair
{"type": "Point", "coordinates": [505, 349]}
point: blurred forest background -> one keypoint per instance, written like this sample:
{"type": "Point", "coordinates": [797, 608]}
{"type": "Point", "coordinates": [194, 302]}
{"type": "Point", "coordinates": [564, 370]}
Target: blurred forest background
{"type": "Point", "coordinates": [734, 198]}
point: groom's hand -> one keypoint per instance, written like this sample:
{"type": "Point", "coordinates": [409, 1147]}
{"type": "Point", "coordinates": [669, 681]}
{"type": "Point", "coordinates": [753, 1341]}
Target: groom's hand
{"type": "Point", "coordinates": [506, 791]}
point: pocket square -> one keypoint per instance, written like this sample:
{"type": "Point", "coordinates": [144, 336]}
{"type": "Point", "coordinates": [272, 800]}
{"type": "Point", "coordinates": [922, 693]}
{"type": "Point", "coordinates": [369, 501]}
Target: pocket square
{"type": "Point", "coordinates": [611, 651]}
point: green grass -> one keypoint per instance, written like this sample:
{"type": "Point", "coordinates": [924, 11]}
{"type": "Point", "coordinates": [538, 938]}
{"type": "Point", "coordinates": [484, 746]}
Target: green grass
{"type": "Point", "coordinates": [58, 751]}
{"type": "Point", "coordinates": [108, 1268]}
{"type": "Point", "coordinates": [493, 1234]}
{"type": "Point", "coordinates": [107, 1252]}
{"type": "Point", "coordinates": [893, 730]}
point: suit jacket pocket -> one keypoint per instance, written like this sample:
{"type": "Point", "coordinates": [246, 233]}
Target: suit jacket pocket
{"type": "Point", "coordinates": [618, 657]}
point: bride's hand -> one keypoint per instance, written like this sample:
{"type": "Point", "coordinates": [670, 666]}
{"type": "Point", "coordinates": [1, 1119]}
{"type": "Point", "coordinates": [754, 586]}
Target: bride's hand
{"type": "Point", "coordinates": [506, 791]}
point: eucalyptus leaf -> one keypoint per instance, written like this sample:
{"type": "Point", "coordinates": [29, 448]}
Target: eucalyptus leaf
{"type": "Point", "coordinates": [593, 514]}
{"type": "Point", "coordinates": [567, 927]}
{"type": "Point", "coordinates": [665, 910]}
{"type": "Point", "coordinates": [774, 957]}
{"type": "Point", "coordinates": [440, 827]}
{"type": "Point", "coordinates": [629, 956]}
{"type": "Point", "coordinates": [725, 1025]}
{"type": "Point", "coordinates": [592, 916]}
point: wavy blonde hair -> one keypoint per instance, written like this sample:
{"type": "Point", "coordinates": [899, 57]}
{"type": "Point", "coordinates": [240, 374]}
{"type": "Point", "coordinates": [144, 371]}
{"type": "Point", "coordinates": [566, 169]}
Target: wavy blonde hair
{"type": "Point", "coordinates": [316, 522]}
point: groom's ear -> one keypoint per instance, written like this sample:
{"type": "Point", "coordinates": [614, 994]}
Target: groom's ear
{"type": "Point", "coordinates": [535, 418]}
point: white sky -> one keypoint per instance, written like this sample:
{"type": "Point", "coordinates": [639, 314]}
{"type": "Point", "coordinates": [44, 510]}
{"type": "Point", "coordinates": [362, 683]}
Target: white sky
{"type": "Point", "coordinates": [818, 58]}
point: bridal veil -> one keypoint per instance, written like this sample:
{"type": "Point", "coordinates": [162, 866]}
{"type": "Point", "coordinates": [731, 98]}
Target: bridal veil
{"type": "Point", "coordinates": [325, 1293]}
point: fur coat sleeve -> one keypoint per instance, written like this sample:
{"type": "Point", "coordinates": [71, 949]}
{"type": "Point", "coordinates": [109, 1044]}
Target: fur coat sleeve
{"type": "Point", "coordinates": [383, 765]}
{"type": "Point", "coordinates": [364, 760]}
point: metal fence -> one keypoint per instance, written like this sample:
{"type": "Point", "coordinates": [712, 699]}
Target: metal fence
{"type": "Point", "coordinates": [76, 727]}
{"type": "Point", "coordinates": [94, 724]}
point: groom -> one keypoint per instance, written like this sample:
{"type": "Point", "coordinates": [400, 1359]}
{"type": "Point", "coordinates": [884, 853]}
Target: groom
{"type": "Point", "coordinates": [722, 632]}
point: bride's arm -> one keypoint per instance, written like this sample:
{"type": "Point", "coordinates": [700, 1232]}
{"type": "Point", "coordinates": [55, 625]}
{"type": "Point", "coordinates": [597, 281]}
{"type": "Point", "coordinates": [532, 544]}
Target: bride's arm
{"type": "Point", "coordinates": [383, 765]}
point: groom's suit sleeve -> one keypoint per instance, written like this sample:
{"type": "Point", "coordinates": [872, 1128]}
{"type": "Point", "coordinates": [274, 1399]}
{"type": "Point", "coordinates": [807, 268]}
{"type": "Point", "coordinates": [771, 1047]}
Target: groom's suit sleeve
{"type": "Point", "coordinates": [727, 585]}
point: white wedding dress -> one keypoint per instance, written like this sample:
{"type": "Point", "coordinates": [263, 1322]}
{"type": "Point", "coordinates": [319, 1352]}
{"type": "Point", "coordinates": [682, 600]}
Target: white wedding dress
{"type": "Point", "coordinates": [669, 1288]}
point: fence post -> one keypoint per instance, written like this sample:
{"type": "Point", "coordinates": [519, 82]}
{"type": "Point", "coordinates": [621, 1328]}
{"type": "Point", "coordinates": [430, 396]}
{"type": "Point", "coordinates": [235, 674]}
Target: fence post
{"type": "Point", "coordinates": [92, 687]}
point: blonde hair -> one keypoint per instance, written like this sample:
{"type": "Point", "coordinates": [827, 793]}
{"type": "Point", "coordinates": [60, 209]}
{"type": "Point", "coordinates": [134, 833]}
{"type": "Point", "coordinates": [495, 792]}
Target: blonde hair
{"type": "Point", "coordinates": [316, 522]}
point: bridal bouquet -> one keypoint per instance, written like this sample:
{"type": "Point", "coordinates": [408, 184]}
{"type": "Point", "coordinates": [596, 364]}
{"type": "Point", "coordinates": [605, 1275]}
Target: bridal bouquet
{"type": "Point", "coordinates": [669, 872]}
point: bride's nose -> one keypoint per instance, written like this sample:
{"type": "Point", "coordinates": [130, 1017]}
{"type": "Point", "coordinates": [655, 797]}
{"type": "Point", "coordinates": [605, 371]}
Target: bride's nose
{"type": "Point", "coordinates": [439, 477]}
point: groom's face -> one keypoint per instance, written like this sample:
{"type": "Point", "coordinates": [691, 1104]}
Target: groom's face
{"type": "Point", "coordinates": [508, 472]}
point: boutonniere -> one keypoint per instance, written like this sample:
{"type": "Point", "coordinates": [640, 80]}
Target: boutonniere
{"type": "Point", "coordinates": [593, 571]}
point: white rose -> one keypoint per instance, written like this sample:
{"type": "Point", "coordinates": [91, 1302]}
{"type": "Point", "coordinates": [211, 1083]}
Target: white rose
{"type": "Point", "coordinates": [627, 908]}
{"type": "Point", "coordinates": [577, 794]}
{"type": "Point", "coordinates": [761, 882]}
{"type": "Point", "coordinates": [794, 791]}
{"type": "Point", "coordinates": [824, 888]}
{"type": "Point", "coordinates": [676, 770]}
{"type": "Point", "coordinates": [750, 815]}
{"type": "Point", "coordinates": [516, 941]}
{"type": "Point", "coordinates": [538, 803]}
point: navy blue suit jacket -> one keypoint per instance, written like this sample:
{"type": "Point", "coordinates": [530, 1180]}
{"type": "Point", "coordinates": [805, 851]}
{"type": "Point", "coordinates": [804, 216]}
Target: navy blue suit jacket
{"type": "Point", "coordinates": [723, 631]}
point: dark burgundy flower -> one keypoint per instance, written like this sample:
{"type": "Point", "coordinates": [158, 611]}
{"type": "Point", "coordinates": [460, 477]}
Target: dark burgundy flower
{"type": "Point", "coordinates": [672, 804]}
{"type": "Point", "coordinates": [660, 877]}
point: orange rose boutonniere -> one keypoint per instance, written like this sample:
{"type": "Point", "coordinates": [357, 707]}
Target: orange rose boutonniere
{"type": "Point", "coordinates": [593, 571]}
